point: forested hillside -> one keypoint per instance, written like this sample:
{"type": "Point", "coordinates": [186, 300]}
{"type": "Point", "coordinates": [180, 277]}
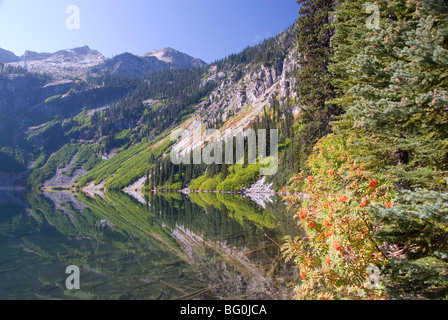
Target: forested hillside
{"type": "Point", "coordinates": [116, 144]}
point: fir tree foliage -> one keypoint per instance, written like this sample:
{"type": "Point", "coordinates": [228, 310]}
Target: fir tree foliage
{"type": "Point", "coordinates": [391, 83]}
{"type": "Point", "coordinates": [315, 88]}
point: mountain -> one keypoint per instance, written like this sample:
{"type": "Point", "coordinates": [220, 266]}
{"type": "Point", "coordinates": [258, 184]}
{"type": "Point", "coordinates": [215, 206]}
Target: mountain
{"type": "Point", "coordinates": [7, 56]}
{"type": "Point", "coordinates": [112, 129]}
{"type": "Point", "coordinates": [61, 64]}
{"type": "Point", "coordinates": [252, 89]}
{"type": "Point", "coordinates": [128, 64]}
{"type": "Point", "coordinates": [35, 56]}
{"type": "Point", "coordinates": [175, 58]}
{"type": "Point", "coordinates": [82, 61]}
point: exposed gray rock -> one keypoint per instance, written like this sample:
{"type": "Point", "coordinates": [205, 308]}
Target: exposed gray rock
{"type": "Point", "coordinates": [176, 59]}
{"type": "Point", "coordinates": [61, 64]}
{"type": "Point", "coordinates": [136, 190]}
{"type": "Point", "coordinates": [105, 224]}
{"type": "Point", "coordinates": [93, 190]}
{"type": "Point", "coordinates": [63, 181]}
{"type": "Point", "coordinates": [252, 85]}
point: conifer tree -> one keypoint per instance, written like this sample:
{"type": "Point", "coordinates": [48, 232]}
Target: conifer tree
{"type": "Point", "coordinates": [315, 89]}
{"type": "Point", "coordinates": [400, 99]}
{"type": "Point", "coordinates": [394, 91]}
{"type": "Point", "coordinates": [392, 84]}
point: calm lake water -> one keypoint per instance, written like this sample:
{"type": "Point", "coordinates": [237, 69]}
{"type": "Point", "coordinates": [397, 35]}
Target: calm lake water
{"type": "Point", "coordinates": [169, 246]}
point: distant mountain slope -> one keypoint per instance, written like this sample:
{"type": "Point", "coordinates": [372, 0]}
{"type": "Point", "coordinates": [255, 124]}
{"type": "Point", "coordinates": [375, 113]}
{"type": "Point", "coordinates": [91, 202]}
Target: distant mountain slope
{"type": "Point", "coordinates": [175, 58]}
{"type": "Point", "coordinates": [82, 61]}
{"type": "Point", "coordinates": [128, 64]}
{"type": "Point", "coordinates": [60, 64]}
{"type": "Point", "coordinates": [7, 56]}
{"type": "Point", "coordinates": [236, 93]}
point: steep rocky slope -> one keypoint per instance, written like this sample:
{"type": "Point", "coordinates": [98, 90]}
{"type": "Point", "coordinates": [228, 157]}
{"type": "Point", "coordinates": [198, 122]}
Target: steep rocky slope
{"type": "Point", "coordinates": [244, 91]}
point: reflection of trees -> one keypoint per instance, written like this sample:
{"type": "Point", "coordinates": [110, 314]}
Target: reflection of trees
{"type": "Point", "coordinates": [235, 256]}
{"type": "Point", "coordinates": [229, 271]}
{"type": "Point", "coordinates": [172, 248]}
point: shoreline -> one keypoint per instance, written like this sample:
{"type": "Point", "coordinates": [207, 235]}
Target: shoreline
{"type": "Point", "coordinates": [72, 189]}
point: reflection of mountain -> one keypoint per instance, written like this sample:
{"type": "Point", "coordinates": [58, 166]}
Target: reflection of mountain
{"type": "Point", "coordinates": [231, 249]}
{"type": "Point", "coordinates": [228, 269]}
{"type": "Point", "coordinates": [172, 248]}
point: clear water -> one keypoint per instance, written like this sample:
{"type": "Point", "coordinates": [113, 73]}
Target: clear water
{"type": "Point", "coordinates": [201, 246]}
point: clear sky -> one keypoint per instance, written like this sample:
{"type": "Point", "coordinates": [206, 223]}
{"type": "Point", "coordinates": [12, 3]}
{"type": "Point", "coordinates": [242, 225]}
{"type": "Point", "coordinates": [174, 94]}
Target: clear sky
{"type": "Point", "coordinates": [206, 29]}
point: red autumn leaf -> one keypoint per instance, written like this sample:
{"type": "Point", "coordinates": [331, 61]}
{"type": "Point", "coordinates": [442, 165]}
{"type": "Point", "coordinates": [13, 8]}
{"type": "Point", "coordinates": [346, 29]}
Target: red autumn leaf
{"type": "Point", "coordinates": [337, 246]}
{"type": "Point", "coordinates": [364, 204]}
{"type": "Point", "coordinates": [373, 183]}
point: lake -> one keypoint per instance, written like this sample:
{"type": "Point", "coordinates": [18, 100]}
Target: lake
{"type": "Point", "coordinates": [167, 246]}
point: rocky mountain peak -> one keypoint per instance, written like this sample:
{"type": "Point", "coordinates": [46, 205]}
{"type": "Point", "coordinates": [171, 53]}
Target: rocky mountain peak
{"type": "Point", "coordinates": [154, 61]}
{"type": "Point", "coordinates": [62, 63]}
{"type": "Point", "coordinates": [32, 55]}
{"type": "Point", "coordinates": [7, 56]}
{"type": "Point", "coordinates": [176, 58]}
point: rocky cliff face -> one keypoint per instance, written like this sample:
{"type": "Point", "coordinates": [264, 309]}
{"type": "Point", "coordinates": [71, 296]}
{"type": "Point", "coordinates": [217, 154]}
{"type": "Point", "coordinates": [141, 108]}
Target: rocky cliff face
{"type": "Point", "coordinates": [244, 91]}
{"type": "Point", "coordinates": [252, 85]}
{"type": "Point", "coordinates": [257, 88]}
{"type": "Point", "coordinates": [20, 92]}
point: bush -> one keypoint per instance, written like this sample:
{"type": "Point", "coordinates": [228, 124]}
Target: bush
{"type": "Point", "coordinates": [337, 247]}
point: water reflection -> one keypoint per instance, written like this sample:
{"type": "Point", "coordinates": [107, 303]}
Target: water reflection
{"type": "Point", "coordinates": [196, 246]}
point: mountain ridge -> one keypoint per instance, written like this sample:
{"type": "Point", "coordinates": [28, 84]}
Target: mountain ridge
{"type": "Point", "coordinates": [129, 64]}
{"type": "Point", "coordinates": [81, 61]}
{"type": "Point", "coordinates": [105, 119]}
{"type": "Point", "coordinates": [8, 56]}
{"type": "Point", "coordinates": [60, 64]}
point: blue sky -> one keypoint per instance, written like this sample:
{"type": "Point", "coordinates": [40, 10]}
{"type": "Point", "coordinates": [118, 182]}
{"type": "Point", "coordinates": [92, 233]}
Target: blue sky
{"type": "Point", "coordinates": [207, 29]}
